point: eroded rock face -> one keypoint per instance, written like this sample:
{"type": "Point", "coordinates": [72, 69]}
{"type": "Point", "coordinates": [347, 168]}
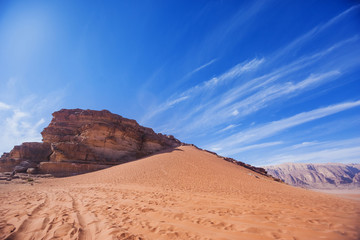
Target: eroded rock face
{"type": "Point", "coordinates": [79, 136]}
{"type": "Point", "coordinates": [101, 137]}
{"type": "Point", "coordinates": [31, 152]}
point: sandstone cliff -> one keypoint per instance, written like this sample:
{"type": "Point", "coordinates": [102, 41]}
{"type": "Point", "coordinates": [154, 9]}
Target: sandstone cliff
{"type": "Point", "coordinates": [318, 176]}
{"type": "Point", "coordinates": [89, 136]}
{"type": "Point", "coordinates": [78, 141]}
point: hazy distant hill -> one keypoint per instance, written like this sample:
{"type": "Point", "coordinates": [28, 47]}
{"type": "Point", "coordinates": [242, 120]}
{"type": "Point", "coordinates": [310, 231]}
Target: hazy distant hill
{"type": "Point", "coordinates": [320, 176]}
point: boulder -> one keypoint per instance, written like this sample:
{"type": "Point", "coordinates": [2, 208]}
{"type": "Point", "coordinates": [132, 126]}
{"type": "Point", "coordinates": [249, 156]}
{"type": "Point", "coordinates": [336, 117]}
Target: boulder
{"type": "Point", "coordinates": [23, 167]}
{"type": "Point", "coordinates": [31, 170]}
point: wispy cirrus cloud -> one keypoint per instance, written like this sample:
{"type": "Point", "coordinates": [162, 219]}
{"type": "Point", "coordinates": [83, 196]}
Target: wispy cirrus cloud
{"type": "Point", "coordinates": [261, 98]}
{"type": "Point", "coordinates": [201, 67]}
{"type": "Point", "coordinates": [314, 32]}
{"type": "Point", "coordinates": [4, 106]}
{"type": "Point", "coordinates": [344, 150]}
{"type": "Point", "coordinates": [254, 146]}
{"type": "Point", "coordinates": [17, 126]}
{"type": "Point", "coordinates": [239, 101]}
{"type": "Point", "coordinates": [23, 119]}
{"type": "Point", "coordinates": [165, 106]}
{"type": "Point", "coordinates": [231, 126]}
{"type": "Point", "coordinates": [277, 74]}
{"type": "Point", "coordinates": [250, 95]}
{"type": "Point", "coordinates": [237, 140]}
{"type": "Point", "coordinates": [350, 155]}
{"type": "Point", "coordinates": [192, 92]}
{"type": "Point", "coordinates": [223, 110]}
{"type": "Point", "coordinates": [232, 73]}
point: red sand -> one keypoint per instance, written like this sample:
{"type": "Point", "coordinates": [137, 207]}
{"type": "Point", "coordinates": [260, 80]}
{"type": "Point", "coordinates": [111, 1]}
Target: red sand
{"type": "Point", "coordinates": [183, 194]}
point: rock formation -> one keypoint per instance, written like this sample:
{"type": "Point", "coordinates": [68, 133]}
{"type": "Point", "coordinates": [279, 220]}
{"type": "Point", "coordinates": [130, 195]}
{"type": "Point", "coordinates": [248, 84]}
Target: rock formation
{"type": "Point", "coordinates": [318, 176]}
{"type": "Point", "coordinates": [24, 156]}
{"type": "Point", "coordinates": [78, 141]}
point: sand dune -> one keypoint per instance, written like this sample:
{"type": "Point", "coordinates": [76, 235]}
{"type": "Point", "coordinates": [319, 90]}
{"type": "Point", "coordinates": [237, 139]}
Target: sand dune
{"type": "Point", "coordinates": [183, 194]}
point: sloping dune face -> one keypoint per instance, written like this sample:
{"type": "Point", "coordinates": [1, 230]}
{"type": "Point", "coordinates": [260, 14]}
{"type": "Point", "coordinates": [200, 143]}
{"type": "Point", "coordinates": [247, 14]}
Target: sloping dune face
{"type": "Point", "coordinates": [183, 194]}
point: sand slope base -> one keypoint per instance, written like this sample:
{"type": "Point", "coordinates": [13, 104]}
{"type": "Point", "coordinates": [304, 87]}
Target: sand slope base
{"type": "Point", "coordinates": [184, 194]}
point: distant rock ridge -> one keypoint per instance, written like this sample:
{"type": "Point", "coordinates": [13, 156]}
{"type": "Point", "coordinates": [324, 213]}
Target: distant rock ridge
{"type": "Point", "coordinates": [318, 176]}
{"type": "Point", "coordinates": [259, 170]}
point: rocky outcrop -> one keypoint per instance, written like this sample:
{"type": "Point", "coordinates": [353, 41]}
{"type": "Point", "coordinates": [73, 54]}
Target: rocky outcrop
{"type": "Point", "coordinates": [87, 136]}
{"type": "Point", "coordinates": [318, 176]}
{"type": "Point", "coordinates": [259, 170]}
{"type": "Point", "coordinates": [33, 151]}
{"type": "Point", "coordinates": [24, 156]}
{"type": "Point", "coordinates": [78, 141]}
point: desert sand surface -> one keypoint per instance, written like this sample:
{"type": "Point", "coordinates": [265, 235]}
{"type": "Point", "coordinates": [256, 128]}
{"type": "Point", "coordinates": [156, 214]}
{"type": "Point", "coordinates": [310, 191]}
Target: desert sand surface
{"type": "Point", "coordinates": [353, 194]}
{"type": "Point", "coordinates": [182, 194]}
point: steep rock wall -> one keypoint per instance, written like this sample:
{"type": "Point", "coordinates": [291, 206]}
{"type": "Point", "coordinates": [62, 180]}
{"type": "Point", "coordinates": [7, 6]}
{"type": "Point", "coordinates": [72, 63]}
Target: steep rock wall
{"type": "Point", "coordinates": [90, 137]}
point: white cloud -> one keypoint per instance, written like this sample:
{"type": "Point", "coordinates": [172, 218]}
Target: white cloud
{"type": "Point", "coordinates": [165, 107]}
{"type": "Point", "coordinates": [342, 155]}
{"type": "Point", "coordinates": [303, 145]}
{"type": "Point", "coordinates": [318, 145]}
{"type": "Point", "coordinates": [231, 126]}
{"type": "Point", "coordinates": [240, 68]}
{"type": "Point", "coordinates": [232, 73]}
{"type": "Point", "coordinates": [215, 149]}
{"type": "Point", "coordinates": [236, 71]}
{"type": "Point", "coordinates": [175, 101]}
{"type": "Point", "coordinates": [220, 113]}
{"type": "Point", "coordinates": [281, 72]}
{"type": "Point", "coordinates": [17, 127]}
{"type": "Point", "coordinates": [341, 15]}
{"type": "Point", "coordinates": [248, 96]}
{"type": "Point", "coordinates": [254, 146]}
{"type": "Point", "coordinates": [201, 67]}
{"type": "Point", "coordinates": [261, 98]}
{"type": "Point", "coordinates": [315, 31]}
{"type": "Point", "coordinates": [342, 151]}
{"type": "Point", "coordinates": [235, 112]}
{"type": "Point", "coordinates": [4, 106]}
{"type": "Point", "coordinates": [216, 110]}
{"type": "Point", "coordinates": [254, 134]}
{"type": "Point", "coordinates": [26, 118]}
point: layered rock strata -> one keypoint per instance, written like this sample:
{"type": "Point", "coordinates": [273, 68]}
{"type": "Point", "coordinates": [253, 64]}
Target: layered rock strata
{"type": "Point", "coordinates": [79, 141]}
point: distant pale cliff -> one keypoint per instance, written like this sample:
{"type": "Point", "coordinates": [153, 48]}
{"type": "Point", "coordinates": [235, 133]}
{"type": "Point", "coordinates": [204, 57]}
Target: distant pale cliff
{"type": "Point", "coordinates": [318, 176]}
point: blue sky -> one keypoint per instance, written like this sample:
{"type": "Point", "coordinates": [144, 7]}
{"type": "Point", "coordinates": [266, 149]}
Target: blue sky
{"type": "Point", "coordinates": [265, 82]}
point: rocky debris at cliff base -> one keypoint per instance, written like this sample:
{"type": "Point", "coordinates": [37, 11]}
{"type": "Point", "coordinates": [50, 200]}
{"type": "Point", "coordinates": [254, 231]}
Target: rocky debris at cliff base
{"type": "Point", "coordinates": [22, 178]}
